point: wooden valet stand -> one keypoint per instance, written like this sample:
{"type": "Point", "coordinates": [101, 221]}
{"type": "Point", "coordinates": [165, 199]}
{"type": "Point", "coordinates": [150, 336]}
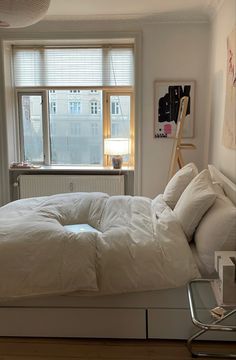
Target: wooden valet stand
{"type": "Point", "coordinates": [177, 158]}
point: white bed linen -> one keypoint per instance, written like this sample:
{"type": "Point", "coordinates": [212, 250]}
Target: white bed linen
{"type": "Point", "coordinates": [135, 251]}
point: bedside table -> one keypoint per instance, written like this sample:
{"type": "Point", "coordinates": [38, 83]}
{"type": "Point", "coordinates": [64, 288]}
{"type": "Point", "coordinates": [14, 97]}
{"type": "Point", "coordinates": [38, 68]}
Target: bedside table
{"type": "Point", "coordinates": [200, 307]}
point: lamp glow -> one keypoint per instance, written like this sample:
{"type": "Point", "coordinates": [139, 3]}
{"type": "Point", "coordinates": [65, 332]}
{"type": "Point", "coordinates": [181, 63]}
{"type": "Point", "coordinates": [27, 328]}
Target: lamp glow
{"type": "Point", "coordinates": [116, 148]}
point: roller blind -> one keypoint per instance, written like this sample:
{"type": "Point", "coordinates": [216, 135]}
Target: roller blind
{"type": "Point", "coordinates": [49, 67]}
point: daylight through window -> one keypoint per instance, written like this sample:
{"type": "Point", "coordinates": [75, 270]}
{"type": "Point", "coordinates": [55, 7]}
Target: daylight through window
{"type": "Point", "coordinates": [70, 99]}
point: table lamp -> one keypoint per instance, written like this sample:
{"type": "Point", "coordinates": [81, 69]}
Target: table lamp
{"type": "Point", "coordinates": [116, 148]}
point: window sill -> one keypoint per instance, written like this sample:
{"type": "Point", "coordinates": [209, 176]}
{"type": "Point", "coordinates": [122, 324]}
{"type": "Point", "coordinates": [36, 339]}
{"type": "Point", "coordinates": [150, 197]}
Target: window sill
{"type": "Point", "coordinates": [74, 169]}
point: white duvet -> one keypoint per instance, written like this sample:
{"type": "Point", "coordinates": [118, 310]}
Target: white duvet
{"type": "Point", "coordinates": [140, 246]}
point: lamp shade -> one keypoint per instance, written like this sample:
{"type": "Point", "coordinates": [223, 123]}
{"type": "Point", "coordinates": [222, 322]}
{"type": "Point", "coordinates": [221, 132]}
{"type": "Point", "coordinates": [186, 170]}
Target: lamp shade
{"type": "Point", "coordinates": [116, 146]}
{"type": "Point", "coordinates": [22, 13]}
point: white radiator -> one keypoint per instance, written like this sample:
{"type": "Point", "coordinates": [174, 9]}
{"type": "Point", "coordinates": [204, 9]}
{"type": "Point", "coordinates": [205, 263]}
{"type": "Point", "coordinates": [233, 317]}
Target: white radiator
{"type": "Point", "coordinates": [41, 185]}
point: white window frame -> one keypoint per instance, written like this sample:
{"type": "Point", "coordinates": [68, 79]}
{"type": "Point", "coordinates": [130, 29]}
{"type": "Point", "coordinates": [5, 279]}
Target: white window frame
{"type": "Point", "coordinates": [77, 108]}
{"type": "Point", "coordinates": [53, 107]}
{"type": "Point", "coordinates": [94, 129]}
{"type": "Point", "coordinates": [94, 107]}
{"type": "Point", "coordinates": [115, 106]}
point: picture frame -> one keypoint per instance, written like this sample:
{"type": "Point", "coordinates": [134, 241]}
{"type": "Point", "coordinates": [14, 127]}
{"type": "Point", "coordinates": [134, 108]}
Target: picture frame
{"type": "Point", "coordinates": [167, 95]}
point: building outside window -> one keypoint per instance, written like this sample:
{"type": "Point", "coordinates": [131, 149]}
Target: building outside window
{"type": "Point", "coordinates": [94, 107]}
{"type": "Point", "coordinates": [115, 107]}
{"type": "Point", "coordinates": [94, 129]}
{"type": "Point", "coordinates": [74, 91]}
{"type": "Point", "coordinates": [115, 130]}
{"type": "Point", "coordinates": [74, 107]}
{"type": "Point", "coordinates": [75, 129]}
{"type": "Point", "coordinates": [53, 107]}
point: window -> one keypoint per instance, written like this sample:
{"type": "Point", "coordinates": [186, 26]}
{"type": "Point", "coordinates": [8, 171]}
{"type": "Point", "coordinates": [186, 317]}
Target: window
{"type": "Point", "coordinates": [75, 128]}
{"type": "Point", "coordinates": [74, 107]}
{"type": "Point", "coordinates": [53, 107]}
{"type": "Point", "coordinates": [94, 129]}
{"type": "Point", "coordinates": [32, 127]}
{"type": "Point", "coordinates": [74, 91]}
{"type": "Point", "coordinates": [64, 125]}
{"type": "Point", "coordinates": [115, 130]}
{"type": "Point", "coordinates": [115, 107]}
{"type": "Point", "coordinates": [94, 107]}
{"type": "Point", "coordinates": [71, 133]}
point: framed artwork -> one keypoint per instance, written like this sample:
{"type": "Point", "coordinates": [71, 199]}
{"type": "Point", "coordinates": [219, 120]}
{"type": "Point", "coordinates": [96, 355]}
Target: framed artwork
{"type": "Point", "coordinates": [229, 128]}
{"type": "Point", "coordinates": [167, 95]}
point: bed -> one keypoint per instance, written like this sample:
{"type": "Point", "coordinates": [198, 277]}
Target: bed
{"type": "Point", "coordinates": [140, 307]}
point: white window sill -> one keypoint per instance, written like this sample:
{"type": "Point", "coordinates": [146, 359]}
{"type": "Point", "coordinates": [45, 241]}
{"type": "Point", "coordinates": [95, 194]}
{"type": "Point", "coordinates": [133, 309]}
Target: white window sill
{"type": "Point", "coordinates": [71, 168]}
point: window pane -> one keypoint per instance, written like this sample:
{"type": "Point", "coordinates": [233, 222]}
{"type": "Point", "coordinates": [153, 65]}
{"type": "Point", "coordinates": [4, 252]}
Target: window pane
{"type": "Point", "coordinates": [76, 128]}
{"type": "Point", "coordinates": [120, 116]}
{"type": "Point", "coordinates": [31, 113]}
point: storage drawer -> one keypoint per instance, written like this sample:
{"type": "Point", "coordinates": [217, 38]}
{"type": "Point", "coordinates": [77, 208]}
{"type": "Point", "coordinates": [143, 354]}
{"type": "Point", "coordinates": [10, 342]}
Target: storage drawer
{"type": "Point", "coordinates": [177, 324]}
{"type": "Point", "coordinates": [169, 324]}
{"type": "Point", "coordinates": [59, 322]}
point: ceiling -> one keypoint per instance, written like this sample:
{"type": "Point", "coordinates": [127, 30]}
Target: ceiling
{"type": "Point", "coordinates": [200, 10]}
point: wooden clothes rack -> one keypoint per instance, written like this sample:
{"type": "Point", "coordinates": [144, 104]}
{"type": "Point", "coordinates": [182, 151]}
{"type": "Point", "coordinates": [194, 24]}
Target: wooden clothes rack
{"type": "Point", "coordinates": [177, 158]}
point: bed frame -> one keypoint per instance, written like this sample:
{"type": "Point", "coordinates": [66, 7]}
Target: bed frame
{"type": "Point", "coordinates": [162, 314]}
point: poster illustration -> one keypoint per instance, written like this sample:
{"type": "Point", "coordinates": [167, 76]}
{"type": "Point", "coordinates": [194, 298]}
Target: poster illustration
{"type": "Point", "coordinates": [167, 95]}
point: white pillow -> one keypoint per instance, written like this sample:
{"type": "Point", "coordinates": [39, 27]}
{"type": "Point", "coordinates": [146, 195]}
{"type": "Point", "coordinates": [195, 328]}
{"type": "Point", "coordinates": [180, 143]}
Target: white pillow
{"type": "Point", "coordinates": [216, 231]}
{"type": "Point", "coordinates": [196, 199]}
{"type": "Point", "coordinates": [178, 183]}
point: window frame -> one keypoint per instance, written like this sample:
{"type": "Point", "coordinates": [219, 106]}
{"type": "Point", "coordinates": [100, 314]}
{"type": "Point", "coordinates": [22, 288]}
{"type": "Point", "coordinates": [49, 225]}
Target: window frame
{"type": "Point", "coordinates": [45, 129]}
{"type": "Point", "coordinates": [94, 107]}
{"type": "Point", "coordinates": [77, 107]}
{"type": "Point", "coordinates": [116, 108]}
{"type": "Point", "coordinates": [54, 107]}
{"type": "Point", "coordinates": [107, 123]}
{"type": "Point", "coordinates": [106, 93]}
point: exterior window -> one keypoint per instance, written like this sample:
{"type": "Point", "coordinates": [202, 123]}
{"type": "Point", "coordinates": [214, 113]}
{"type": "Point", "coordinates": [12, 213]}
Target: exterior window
{"type": "Point", "coordinates": [74, 107]}
{"type": "Point", "coordinates": [115, 130]}
{"type": "Point", "coordinates": [74, 91]}
{"type": "Point", "coordinates": [93, 91]}
{"type": "Point", "coordinates": [94, 129]}
{"type": "Point", "coordinates": [53, 107]}
{"type": "Point", "coordinates": [75, 129]}
{"type": "Point", "coordinates": [115, 108]}
{"type": "Point", "coordinates": [94, 155]}
{"type": "Point", "coordinates": [94, 107]}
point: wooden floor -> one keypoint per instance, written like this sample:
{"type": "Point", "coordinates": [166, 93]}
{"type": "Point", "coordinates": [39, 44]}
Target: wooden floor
{"type": "Point", "coordinates": [68, 349]}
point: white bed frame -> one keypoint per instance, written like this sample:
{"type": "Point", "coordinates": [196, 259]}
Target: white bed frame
{"type": "Point", "coordinates": [162, 314]}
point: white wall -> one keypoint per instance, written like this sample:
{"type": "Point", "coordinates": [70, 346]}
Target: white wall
{"type": "Point", "coordinates": [179, 52]}
{"type": "Point", "coordinates": [172, 51]}
{"type": "Point", "coordinates": [222, 25]}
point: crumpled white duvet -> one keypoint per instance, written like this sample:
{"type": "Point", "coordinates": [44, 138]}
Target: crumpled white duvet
{"type": "Point", "coordinates": [141, 246]}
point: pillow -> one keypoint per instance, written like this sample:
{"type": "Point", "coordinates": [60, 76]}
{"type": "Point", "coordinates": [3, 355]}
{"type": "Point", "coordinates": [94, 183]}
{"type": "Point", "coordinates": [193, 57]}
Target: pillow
{"type": "Point", "coordinates": [216, 231]}
{"type": "Point", "coordinates": [196, 199]}
{"type": "Point", "coordinates": [178, 183]}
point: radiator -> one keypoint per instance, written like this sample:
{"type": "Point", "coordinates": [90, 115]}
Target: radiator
{"type": "Point", "coordinates": [41, 185]}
